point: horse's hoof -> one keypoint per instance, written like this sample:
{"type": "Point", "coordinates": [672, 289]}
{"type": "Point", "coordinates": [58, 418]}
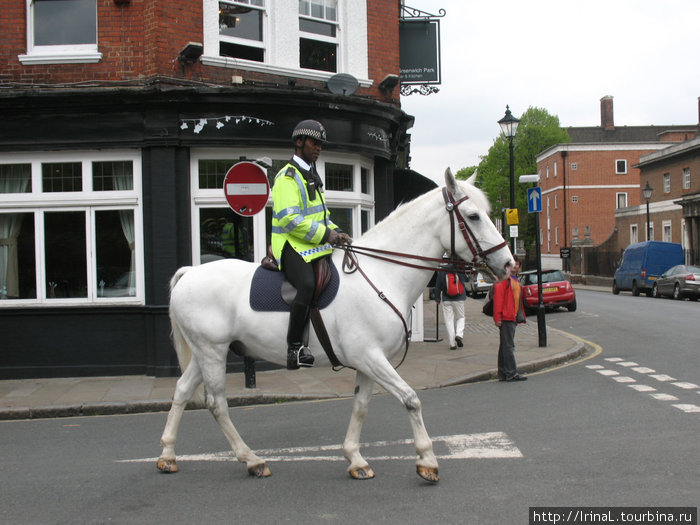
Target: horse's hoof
{"type": "Point", "coordinates": [361, 473]}
{"type": "Point", "coordinates": [428, 473]}
{"type": "Point", "coordinates": [168, 466]}
{"type": "Point", "coordinates": [259, 471]}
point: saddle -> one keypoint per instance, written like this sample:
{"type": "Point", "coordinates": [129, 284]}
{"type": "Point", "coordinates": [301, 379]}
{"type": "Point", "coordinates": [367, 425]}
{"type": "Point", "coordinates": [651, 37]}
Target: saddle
{"type": "Point", "coordinates": [270, 291]}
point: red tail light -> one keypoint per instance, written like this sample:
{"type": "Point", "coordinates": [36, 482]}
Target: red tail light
{"type": "Point", "coordinates": [644, 274]}
{"type": "Point", "coordinates": [690, 277]}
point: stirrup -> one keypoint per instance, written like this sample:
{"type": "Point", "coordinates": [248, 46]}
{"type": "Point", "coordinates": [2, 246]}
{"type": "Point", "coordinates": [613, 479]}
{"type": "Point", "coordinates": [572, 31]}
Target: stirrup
{"type": "Point", "coordinates": [296, 357]}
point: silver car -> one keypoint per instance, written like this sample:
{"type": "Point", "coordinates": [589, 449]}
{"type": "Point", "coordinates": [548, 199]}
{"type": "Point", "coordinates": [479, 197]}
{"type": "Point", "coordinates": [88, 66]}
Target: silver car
{"type": "Point", "coordinates": [478, 287]}
{"type": "Point", "coordinates": [678, 282]}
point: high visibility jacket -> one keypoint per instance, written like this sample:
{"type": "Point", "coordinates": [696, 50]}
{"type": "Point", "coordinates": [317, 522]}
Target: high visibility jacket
{"type": "Point", "coordinates": [297, 219]}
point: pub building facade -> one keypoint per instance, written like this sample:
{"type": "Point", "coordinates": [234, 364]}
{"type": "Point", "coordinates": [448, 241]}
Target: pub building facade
{"type": "Point", "coordinates": [117, 134]}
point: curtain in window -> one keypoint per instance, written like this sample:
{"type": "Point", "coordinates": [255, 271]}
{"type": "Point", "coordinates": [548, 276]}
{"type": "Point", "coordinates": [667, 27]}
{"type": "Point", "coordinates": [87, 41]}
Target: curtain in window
{"type": "Point", "coordinates": [10, 226]}
{"type": "Point", "coordinates": [126, 217]}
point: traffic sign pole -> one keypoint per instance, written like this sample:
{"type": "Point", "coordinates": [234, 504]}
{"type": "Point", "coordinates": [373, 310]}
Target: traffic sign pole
{"type": "Point", "coordinates": [534, 205]}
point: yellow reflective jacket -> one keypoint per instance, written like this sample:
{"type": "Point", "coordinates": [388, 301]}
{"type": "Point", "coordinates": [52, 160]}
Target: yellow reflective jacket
{"type": "Point", "coordinates": [297, 219]}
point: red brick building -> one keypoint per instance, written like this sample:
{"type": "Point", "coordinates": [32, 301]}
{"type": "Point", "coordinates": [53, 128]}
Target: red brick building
{"type": "Point", "coordinates": [585, 181]}
{"type": "Point", "coordinates": [120, 120]}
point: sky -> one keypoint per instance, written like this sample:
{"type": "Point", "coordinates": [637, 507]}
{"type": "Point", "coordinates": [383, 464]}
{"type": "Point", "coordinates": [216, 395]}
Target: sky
{"type": "Point", "coordinates": [559, 55]}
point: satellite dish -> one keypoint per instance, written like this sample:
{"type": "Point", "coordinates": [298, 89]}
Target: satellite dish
{"type": "Point", "coordinates": [342, 84]}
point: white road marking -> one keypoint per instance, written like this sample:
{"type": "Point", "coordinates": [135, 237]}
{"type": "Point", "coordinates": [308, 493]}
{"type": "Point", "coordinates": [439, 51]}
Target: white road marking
{"type": "Point", "coordinates": [664, 397]}
{"type": "Point", "coordinates": [643, 388]}
{"type": "Point", "coordinates": [686, 386]}
{"type": "Point", "coordinates": [624, 379]}
{"type": "Point", "coordinates": [628, 363]}
{"type": "Point", "coordinates": [689, 409]}
{"type": "Point", "coordinates": [608, 372]}
{"type": "Point", "coordinates": [614, 359]}
{"type": "Point", "coordinates": [644, 370]}
{"type": "Point", "coordinates": [662, 377]}
{"type": "Point", "coordinates": [595, 367]}
{"type": "Point", "coordinates": [487, 445]}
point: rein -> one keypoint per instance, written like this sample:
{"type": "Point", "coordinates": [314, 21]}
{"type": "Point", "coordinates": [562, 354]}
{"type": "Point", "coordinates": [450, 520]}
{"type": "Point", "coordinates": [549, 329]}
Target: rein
{"type": "Point", "coordinates": [351, 264]}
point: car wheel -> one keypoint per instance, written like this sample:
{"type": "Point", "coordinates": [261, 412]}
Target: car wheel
{"type": "Point", "coordinates": [615, 289]}
{"type": "Point", "coordinates": [655, 291]}
{"type": "Point", "coordinates": [571, 306]}
{"type": "Point", "coordinates": [635, 289]}
{"type": "Point", "coordinates": [677, 292]}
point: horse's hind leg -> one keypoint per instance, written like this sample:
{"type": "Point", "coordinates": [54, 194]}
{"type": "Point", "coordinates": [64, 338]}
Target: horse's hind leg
{"type": "Point", "coordinates": [358, 468]}
{"type": "Point", "coordinates": [186, 385]}
{"type": "Point", "coordinates": [384, 374]}
{"type": "Point", "coordinates": [215, 383]}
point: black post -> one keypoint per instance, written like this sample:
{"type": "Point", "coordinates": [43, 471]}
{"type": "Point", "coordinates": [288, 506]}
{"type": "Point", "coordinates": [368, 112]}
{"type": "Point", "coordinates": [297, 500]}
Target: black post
{"type": "Point", "coordinates": [541, 326]}
{"type": "Point", "coordinates": [648, 223]}
{"type": "Point", "coordinates": [249, 372]}
{"type": "Point", "coordinates": [512, 181]}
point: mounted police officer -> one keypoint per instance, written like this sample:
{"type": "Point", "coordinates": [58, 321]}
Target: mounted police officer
{"type": "Point", "coordinates": [301, 230]}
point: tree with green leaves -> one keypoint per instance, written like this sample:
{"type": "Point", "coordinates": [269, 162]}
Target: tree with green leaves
{"type": "Point", "coordinates": [537, 131]}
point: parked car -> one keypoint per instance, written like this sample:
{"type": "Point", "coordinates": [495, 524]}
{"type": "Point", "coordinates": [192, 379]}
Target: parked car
{"type": "Point", "coordinates": [556, 290]}
{"type": "Point", "coordinates": [478, 287]}
{"type": "Point", "coordinates": [643, 263]}
{"type": "Point", "coordinates": [678, 282]}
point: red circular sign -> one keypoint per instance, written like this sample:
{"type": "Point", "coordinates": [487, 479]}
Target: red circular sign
{"type": "Point", "coordinates": [246, 188]}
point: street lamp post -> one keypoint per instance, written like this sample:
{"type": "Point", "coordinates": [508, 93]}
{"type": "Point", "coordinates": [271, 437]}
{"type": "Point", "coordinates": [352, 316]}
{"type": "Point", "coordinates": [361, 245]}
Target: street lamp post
{"type": "Point", "coordinates": [509, 126]}
{"type": "Point", "coordinates": [647, 191]}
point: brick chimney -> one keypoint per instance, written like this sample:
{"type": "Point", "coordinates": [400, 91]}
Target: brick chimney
{"type": "Point", "coordinates": [606, 113]}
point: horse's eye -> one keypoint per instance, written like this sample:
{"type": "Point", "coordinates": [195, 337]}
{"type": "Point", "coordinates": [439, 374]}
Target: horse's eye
{"type": "Point", "coordinates": [473, 217]}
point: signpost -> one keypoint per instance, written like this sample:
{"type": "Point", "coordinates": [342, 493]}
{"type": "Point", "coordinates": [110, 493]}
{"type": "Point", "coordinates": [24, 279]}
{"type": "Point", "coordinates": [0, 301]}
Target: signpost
{"type": "Point", "coordinates": [534, 205]}
{"type": "Point", "coordinates": [246, 188]}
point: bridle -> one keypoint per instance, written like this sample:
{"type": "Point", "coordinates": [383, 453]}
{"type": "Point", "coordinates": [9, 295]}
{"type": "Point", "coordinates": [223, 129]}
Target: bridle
{"type": "Point", "coordinates": [452, 264]}
{"type": "Point", "coordinates": [452, 207]}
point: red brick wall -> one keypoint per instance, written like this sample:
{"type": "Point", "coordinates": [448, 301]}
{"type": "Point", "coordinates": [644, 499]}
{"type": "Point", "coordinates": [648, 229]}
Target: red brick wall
{"type": "Point", "coordinates": [143, 38]}
{"type": "Point", "coordinates": [596, 205]}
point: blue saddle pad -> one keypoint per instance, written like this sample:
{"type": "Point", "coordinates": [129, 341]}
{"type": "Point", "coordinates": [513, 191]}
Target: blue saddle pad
{"type": "Point", "coordinates": [266, 290]}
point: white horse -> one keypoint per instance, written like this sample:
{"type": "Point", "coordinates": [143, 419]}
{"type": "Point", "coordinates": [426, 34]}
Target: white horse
{"type": "Point", "coordinates": [209, 310]}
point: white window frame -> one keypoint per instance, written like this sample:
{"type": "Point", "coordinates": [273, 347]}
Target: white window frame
{"type": "Point", "coordinates": [38, 203]}
{"type": "Point", "coordinates": [667, 183]}
{"type": "Point", "coordinates": [215, 198]}
{"type": "Point", "coordinates": [634, 234]}
{"type": "Point", "coordinates": [686, 178]}
{"type": "Point", "coordinates": [281, 33]}
{"type": "Point", "coordinates": [666, 231]}
{"type": "Point", "coordinates": [617, 200]}
{"type": "Point", "coordinates": [57, 54]}
{"type": "Point", "coordinates": [245, 41]}
{"type": "Point", "coordinates": [624, 170]}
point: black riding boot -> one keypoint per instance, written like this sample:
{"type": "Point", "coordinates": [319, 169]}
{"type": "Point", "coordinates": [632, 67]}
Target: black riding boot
{"type": "Point", "coordinates": [296, 356]}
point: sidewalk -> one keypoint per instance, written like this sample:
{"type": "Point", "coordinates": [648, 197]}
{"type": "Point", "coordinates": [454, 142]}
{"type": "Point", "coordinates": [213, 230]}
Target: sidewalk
{"type": "Point", "coordinates": [427, 365]}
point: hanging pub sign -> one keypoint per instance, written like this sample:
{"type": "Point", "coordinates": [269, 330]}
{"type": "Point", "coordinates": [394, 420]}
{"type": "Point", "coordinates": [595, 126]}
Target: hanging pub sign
{"type": "Point", "coordinates": [246, 188]}
{"type": "Point", "coordinates": [419, 45]}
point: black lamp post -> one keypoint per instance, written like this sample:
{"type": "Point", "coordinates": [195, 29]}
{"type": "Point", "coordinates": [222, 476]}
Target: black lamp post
{"type": "Point", "coordinates": [509, 126]}
{"type": "Point", "coordinates": [647, 191]}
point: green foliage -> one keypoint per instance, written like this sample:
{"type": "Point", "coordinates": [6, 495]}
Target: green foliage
{"type": "Point", "coordinates": [537, 131]}
{"type": "Point", "coordinates": [465, 173]}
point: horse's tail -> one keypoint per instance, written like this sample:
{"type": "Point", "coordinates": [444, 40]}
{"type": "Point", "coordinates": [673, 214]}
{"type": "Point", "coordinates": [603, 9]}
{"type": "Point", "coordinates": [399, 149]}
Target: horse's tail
{"type": "Point", "coordinates": [182, 348]}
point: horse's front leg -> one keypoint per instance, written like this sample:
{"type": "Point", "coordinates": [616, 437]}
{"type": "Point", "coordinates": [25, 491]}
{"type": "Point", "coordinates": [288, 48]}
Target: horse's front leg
{"type": "Point", "coordinates": [358, 468]}
{"type": "Point", "coordinates": [385, 375]}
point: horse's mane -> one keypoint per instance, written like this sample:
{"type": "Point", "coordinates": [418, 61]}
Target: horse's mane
{"type": "Point", "coordinates": [406, 208]}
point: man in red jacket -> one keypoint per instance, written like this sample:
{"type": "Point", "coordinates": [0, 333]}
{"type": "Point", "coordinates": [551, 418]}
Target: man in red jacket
{"type": "Point", "coordinates": [508, 312]}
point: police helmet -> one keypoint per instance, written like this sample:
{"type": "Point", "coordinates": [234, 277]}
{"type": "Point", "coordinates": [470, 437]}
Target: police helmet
{"type": "Point", "coordinates": [310, 128]}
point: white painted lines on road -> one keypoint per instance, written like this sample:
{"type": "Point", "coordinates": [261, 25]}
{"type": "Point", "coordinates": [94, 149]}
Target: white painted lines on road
{"type": "Point", "coordinates": [688, 408]}
{"type": "Point", "coordinates": [485, 445]}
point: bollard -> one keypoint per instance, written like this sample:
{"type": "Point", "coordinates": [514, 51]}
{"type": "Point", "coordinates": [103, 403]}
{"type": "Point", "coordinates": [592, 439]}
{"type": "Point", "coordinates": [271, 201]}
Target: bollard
{"type": "Point", "coordinates": [249, 371]}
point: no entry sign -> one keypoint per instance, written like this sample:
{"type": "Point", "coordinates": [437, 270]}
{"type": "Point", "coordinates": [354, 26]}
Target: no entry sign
{"type": "Point", "coordinates": [246, 188]}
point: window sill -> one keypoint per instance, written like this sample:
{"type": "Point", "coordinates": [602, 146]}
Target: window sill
{"type": "Point", "coordinates": [59, 58]}
{"type": "Point", "coordinates": [259, 67]}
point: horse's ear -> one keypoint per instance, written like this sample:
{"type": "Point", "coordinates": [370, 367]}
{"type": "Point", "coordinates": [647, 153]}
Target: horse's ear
{"type": "Point", "coordinates": [451, 182]}
{"type": "Point", "coordinates": [471, 180]}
